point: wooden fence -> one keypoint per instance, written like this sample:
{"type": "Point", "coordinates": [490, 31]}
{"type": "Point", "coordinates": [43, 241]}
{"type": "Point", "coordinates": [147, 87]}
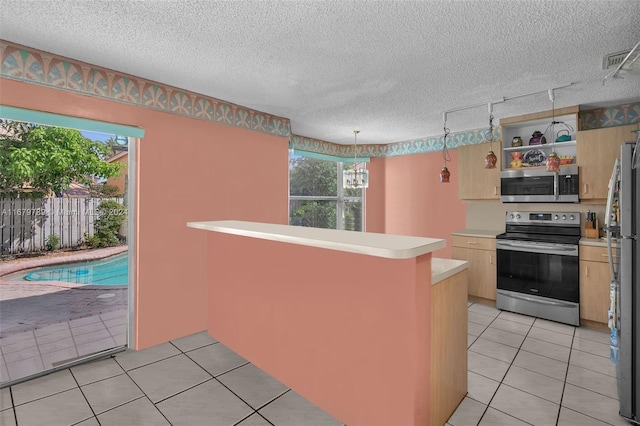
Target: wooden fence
{"type": "Point", "coordinates": [25, 224]}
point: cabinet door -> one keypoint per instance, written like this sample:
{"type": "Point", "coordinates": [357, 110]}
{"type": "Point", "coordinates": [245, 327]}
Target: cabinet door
{"type": "Point", "coordinates": [596, 152]}
{"type": "Point", "coordinates": [594, 291]}
{"type": "Point", "coordinates": [476, 182]}
{"type": "Point", "coordinates": [482, 271]}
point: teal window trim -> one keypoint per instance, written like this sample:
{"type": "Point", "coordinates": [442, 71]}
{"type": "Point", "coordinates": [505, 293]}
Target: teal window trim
{"type": "Point", "coordinates": [49, 119]}
{"type": "Point", "coordinates": [331, 157]}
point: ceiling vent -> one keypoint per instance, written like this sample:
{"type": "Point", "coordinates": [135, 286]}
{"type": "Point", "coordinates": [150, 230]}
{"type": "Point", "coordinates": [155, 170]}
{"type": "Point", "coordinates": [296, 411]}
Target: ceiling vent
{"type": "Point", "coordinates": [613, 60]}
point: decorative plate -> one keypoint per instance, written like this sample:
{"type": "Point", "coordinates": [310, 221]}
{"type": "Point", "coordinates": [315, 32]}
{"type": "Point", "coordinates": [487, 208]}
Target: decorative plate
{"type": "Point", "coordinates": [534, 157]}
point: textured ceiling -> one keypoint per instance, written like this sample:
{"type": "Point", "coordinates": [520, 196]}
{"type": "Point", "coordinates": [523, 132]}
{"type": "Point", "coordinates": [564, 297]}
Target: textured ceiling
{"type": "Point", "coordinates": [388, 68]}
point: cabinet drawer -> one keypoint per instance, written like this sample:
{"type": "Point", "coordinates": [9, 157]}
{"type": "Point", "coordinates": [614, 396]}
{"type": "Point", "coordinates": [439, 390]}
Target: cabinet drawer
{"type": "Point", "coordinates": [594, 254]}
{"type": "Point", "coordinates": [474, 242]}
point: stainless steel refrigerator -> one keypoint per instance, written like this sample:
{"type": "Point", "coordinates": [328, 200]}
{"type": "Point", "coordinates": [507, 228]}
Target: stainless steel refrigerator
{"type": "Point", "coordinates": [623, 217]}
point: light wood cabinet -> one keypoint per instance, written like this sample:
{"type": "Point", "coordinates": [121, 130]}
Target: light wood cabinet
{"type": "Point", "coordinates": [596, 152]}
{"type": "Point", "coordinates": [476, 182]}
{"type": "Point", "coordinates": [595, 280]}
{"type": "Point", "coordinates": [481, 255]}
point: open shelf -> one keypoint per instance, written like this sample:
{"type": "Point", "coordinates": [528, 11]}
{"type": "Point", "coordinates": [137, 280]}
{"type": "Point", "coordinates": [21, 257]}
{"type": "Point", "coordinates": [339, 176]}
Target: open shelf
{"type": "Point", "coordinates": [557, 145]}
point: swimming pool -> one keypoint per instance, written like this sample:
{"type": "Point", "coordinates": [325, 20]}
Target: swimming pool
{"type": "Point", "coordinates": [107, 272]}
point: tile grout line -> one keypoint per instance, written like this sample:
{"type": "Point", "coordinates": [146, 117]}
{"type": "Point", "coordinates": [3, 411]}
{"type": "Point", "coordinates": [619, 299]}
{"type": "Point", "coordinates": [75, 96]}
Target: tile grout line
{"type": "Point", "coordinates": [83, 395]}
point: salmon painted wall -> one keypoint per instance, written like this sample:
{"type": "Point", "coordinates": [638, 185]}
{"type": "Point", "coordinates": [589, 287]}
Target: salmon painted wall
{"type": "Point", "coordinates": [374, 196]}
{"type": "Point", "coordinates": [189, 170]}
{"type": "Point", "coordinates": [414, 201]}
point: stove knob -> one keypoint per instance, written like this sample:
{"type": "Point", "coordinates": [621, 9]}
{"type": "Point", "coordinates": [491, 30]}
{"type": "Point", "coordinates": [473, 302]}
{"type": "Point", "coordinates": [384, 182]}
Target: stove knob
{"type": "Point", "coordinates": [511, 216]}
{"type": "Point", "coordinates": [564, 217]}
{"type": "Point", "coordinates": [517, 216]}
{"type": "Point", "coordinates": [571, 217]}
{"type": "Point", "coordinates": [556, 217]}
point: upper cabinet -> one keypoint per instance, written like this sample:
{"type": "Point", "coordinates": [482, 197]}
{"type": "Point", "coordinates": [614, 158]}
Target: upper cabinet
{"type": "Point", "coordinates": [476, 182]}
{"type": "Point", "coordinates": [597, 150]}
{"type": "Point", "coordinates": [515, 156]}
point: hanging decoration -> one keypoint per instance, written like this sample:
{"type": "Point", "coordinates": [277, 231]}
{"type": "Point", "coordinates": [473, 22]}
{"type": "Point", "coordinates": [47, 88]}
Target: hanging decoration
{"type": "Point", "coordinates": [446, 156]}
{"type": "Point", "coordinates": [355, 177]}
{"type": "Point", "coordinates": [490, 160]}
{"type": "Point", "coordinates": [553, 161]}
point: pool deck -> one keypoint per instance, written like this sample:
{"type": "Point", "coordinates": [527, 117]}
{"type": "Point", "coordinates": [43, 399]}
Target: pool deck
{"type": "Point", "coordinates": [43, 324]}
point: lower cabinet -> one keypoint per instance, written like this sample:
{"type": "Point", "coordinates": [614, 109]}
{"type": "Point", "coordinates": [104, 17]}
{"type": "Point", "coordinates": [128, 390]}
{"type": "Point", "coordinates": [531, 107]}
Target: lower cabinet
{"type": "Point", "coordinates": [595, 279]}
{"type": "Point", "coordinates": [481, 255]}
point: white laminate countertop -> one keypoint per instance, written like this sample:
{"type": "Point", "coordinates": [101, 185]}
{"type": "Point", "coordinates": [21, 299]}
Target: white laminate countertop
{"type": "Point", "coordinates": [482, 233]}
{"type": "Point", "coordinates": [368, 243]}
{"type": "Point", "coordinates": [441, 269]}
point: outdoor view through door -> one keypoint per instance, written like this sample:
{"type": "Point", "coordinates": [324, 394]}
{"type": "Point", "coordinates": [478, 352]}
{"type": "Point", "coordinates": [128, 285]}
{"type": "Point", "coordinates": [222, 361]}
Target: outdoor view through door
{"type": "Point", "coordinates": [63, 247]}
{"type": "Point", "coordinates": [316, 196]}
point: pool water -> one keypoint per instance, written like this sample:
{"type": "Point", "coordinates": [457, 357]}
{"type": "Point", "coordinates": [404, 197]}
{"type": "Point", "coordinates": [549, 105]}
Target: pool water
{"type": "Point", "coordinates": [111, 271]}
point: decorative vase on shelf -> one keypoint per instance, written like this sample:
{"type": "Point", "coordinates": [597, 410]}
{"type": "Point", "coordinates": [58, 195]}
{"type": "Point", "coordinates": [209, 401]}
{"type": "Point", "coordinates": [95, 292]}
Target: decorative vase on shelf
{"type": "Point", "coordinates": [537, 138]}
{"type": "Point", "coordinates": [516, 141]}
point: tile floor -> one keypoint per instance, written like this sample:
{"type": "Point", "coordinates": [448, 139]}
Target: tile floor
{"type": "Point", "coordinates": [522, 371]}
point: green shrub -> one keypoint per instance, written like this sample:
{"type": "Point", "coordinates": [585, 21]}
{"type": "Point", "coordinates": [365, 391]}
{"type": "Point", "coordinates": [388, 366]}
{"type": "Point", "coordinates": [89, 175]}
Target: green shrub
{"type": "Point", "coordinates": [106, 228]}
{"type": "Point", "coordinates": [52, 241]}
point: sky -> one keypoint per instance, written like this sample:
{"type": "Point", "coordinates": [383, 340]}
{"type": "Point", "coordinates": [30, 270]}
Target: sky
{"type": "Point", "coordinates": [95, 136]}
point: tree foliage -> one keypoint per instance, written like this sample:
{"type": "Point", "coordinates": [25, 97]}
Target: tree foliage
{"type": "Point", "coordinates": [49, 159]}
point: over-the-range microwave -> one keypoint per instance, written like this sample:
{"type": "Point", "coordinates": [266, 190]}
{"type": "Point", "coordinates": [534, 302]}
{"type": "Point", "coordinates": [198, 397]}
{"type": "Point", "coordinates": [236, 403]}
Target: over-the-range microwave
{"type": "Point", "coordinates": [539, 186]}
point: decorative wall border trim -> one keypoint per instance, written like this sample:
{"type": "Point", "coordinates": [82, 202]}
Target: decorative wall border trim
{"type": "Point", "coordinates": [619, 115]}
{"type": "Point", "coordinates": [33, 66]}
{"type": "Point", "coordinates": [414, 146]}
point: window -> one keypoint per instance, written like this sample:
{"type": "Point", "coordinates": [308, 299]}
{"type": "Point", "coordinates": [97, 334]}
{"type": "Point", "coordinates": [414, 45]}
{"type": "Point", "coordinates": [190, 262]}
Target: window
{"type": "Point", "coordinates": [316, 196]}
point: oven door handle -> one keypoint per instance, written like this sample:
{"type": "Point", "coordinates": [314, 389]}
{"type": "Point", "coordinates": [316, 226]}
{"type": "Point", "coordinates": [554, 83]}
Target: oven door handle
{"type": "Point", "coordinates": [536, 248]}
{"type": "Point", "coordinates": [538, 300]}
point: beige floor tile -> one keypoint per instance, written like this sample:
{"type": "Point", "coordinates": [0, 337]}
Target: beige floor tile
{"type": "Point", "coordinates": [592, 362]}
{"type": "Point", "coordinates": [524, 406]}
{"type": "Point", "coordinates": [43, 386]}
{"type": "Point", "coordinates": [593, 334]}
{"type": "Point", "coordinates": [481, 388]}
{"type": "Point", "coordinates": [475, 329]}
{"type": "Point", "coordinates": [592, 380]}
{"type": "Point", "coordinates": [253, 385]}
{"type": "Point", "coordinates": [493, 417]}
{"type": "Point", "coordinates": [592, 347]}
{"type": "Point", "coordinates": [511, 326]}
{"type": "Point", "coordinates": [165, 378]}
{"type": "Point", "coordinates": [501, 336]}
{"type": "Point", "coordinates": [551, 336]}
{"type": "Point", "coordinates": [550, 350]}
{"type": "Point", "coordinates": [89, 422]}
{"type": "Point", "coordinates": [291, 409]}
{"type": "Point", "coordinates": [7, 417]}
{"type": "Point", "coordinates": [512, 316]}
{"type": "Point", "coordinates": [194, 341]}
{"type": "Point", "coordinates": [554, 326]}
{"type": "Point", "coordinates": [131, 359]}
{"type": "Point", "coordinates": [494, 350]}
{"type": "Point", "coordinates": [5, 399]}
{"type": "Point", "coordinates": [469, 412]}
{"type": "Point", "coordinates": [470, 340]}
{"type": "Point", "coordinates": [254, 420]}
{"type": "Point", "coordinates": [534, 383]}
{"type": "Point", "coordinates": [592, 404]}
{"type": "Point", "coordinates": [541, 364]}
{"type": "Point", "coordinates": [62, 409]}
{"type": "Point", "coordinates": [208, 403]}
{"type": "Point", "coordinates": [110, 393]}
{"type": "Point", "coordinates": [140, 412]}
{"type": "Point", "coordinates": [572, 418]}
{"type": "Point", "coordinates": [96, 370]}
{"type": "Point", "coordinates": [216, 359]}
{"type": "Point", "coordinates": [484, 309]}
{"type": "Point", "coordinates": [486, 366]}
{"type": "Point", "coordinates": [481, 319]}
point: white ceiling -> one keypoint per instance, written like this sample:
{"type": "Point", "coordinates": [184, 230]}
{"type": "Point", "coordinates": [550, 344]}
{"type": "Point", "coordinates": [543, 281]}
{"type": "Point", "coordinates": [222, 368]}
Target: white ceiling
{"type": "Point", "coordinates": [388, 68]}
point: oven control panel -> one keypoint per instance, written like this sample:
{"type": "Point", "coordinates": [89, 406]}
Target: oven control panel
{"type": "Point", "coordinates": [546, 218]}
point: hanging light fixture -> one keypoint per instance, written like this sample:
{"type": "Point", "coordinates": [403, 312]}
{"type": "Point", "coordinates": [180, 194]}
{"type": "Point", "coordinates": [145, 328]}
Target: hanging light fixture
{"type": "Point", "coordinates": [490, 159]}
{"type": "Point", "coordinates": [553, 161]}
{"type": "Point", "coordinates": [444, 173]}
{"type": "Point", "coordinates": [355, 177]}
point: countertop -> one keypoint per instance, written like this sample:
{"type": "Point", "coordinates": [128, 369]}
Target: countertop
{"type": "Point", "coordinates": [482, 233]}
{"type": "Point", "coordinates": [441, 269]}
{"type": "Point", "coordinates": [368, 243]}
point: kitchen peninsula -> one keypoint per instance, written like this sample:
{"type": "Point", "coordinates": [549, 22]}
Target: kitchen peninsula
{"type": "Point", "coordinates": [367, 326]}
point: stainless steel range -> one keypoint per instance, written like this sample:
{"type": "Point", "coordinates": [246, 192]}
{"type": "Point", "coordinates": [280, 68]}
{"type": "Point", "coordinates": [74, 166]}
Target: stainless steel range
{"type": "Point", "coordinates": [537, 265]}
